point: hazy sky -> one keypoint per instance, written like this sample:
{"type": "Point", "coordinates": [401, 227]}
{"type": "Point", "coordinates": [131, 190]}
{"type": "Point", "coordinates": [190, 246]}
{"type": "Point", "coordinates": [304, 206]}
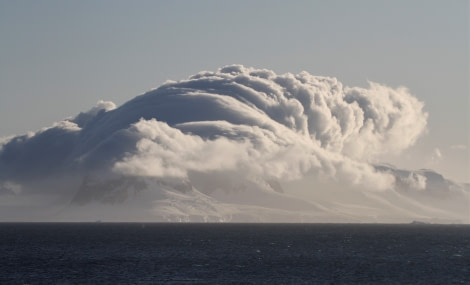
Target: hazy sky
{"type": "Point", "coordinates": [58, 58]}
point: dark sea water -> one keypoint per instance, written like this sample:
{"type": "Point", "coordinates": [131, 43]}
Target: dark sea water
{"type": "Point", "coordinates": [133, 253]}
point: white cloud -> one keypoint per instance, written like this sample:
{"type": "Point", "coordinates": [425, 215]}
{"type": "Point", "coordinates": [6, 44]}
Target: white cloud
{"type": "Point", "coordinates": [102, 107]}
{"type": "Point", "coordinates": [458, 147]}
{"type": "Point", "coordinates": [436, 155]}
{"type": "Point", "coordinates": [416, 181]}
{"type": "Point", "coordinates": [302, 123]}
{"type": "Point", "coordinates": [235, 122]}
{"type": "Point", "coordinates": [10, 187]}
{"type": "Point", "coordinates": [235, 118]}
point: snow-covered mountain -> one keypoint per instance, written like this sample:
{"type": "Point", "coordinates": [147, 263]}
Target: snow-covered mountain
{"type": "Point", "coordinates": [436, 200]}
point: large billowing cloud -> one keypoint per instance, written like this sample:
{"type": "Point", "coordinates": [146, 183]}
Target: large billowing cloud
{"type": "Point", "coordinates": [237, 121]}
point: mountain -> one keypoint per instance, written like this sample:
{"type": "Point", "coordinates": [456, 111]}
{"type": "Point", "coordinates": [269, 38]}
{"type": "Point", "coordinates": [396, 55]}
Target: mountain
{"type": "Point", "coordinates": [226, 199]}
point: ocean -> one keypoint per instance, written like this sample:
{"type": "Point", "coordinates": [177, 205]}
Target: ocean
{"type": "Point", "coordinates": [159, 253]}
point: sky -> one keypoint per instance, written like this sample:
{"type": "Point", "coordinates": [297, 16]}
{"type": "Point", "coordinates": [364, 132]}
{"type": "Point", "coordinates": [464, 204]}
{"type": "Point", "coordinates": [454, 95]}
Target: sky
{"type": "Point", "coordinates": [58, 58]}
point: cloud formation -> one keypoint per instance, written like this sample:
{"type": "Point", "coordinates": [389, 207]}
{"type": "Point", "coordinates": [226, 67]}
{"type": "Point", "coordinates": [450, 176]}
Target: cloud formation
{"type": "Point", "coordinates": [235, 118]}
{"type": "Point", "coordinates": [458, 146]}
{"type": "Point", "coordinates": [235, 122]}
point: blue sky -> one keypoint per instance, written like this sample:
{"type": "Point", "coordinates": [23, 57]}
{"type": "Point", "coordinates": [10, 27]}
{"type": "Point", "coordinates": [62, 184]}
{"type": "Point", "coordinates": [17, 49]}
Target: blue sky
{"type": "Point", "coordinates": [58, 58]}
